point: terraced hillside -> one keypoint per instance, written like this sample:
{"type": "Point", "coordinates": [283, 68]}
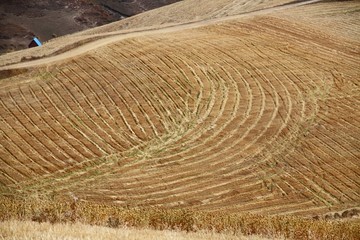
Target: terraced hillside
{"type": "Point", "coordinates": [257, 113]}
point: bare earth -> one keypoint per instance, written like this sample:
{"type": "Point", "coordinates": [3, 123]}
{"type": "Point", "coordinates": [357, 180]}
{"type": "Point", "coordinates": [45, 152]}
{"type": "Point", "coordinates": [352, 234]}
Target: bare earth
{"type": "Point", "coordinates": [235, 110]}
{"type": "Point", "coordinates": [46, 19]}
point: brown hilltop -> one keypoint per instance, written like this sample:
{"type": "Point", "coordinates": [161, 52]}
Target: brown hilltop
{"type": "Point", "coordinates": [22, 19]}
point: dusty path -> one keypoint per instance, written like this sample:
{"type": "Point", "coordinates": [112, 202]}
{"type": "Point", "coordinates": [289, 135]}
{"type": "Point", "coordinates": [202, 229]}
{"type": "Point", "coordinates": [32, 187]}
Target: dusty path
{"type": "Point", "coordinates": [121, 35]}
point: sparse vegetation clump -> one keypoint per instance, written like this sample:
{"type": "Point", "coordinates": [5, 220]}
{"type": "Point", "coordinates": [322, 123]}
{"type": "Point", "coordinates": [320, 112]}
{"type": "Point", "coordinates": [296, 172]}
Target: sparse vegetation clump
{"type": "Point", "coordinates": [290, 227]}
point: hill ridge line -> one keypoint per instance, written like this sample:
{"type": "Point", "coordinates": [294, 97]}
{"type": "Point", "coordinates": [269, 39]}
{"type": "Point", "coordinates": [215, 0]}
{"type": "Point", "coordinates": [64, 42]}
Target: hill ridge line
{"type": "Point", "coordinates": [115, 36]}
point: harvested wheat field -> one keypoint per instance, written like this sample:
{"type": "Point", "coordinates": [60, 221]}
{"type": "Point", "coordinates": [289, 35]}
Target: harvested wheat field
{"type": "Point", "coordinates": [243, 108]}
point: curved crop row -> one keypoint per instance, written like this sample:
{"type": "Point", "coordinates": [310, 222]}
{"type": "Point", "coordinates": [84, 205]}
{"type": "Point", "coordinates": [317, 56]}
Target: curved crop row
{"type": "Point", "coordinates": [237, 116]}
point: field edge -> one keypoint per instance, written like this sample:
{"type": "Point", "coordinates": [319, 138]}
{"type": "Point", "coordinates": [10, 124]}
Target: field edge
{"type": "Point", "coordinates": [106, 215]}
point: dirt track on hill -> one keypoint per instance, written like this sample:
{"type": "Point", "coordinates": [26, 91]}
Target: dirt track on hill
{"type": "Point", "coordinates": [120, 35]}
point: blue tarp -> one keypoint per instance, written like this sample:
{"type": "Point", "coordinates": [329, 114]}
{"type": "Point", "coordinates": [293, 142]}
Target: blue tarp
{"type": "Point", "coordinates": [37, 41]}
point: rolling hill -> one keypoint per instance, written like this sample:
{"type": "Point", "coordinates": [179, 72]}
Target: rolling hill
{"type": "Point", "coordinates": [236, 106]}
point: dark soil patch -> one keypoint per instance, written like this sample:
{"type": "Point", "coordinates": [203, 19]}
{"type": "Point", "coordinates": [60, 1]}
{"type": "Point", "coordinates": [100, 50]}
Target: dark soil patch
{"type": "Point", "coordinates": [46, 19]}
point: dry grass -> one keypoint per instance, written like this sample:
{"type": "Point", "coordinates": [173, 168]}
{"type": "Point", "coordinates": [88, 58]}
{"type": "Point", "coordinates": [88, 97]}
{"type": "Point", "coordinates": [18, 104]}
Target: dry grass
{"type": "Point", "coordinates": [27, 230]}
{"type": "Point", "coordinates": [41, 210]}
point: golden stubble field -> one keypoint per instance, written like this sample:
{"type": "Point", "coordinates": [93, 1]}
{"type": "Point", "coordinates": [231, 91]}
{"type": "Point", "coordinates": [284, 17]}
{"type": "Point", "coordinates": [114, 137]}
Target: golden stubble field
{"type": "Point", "coordinates": [258, 114]}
